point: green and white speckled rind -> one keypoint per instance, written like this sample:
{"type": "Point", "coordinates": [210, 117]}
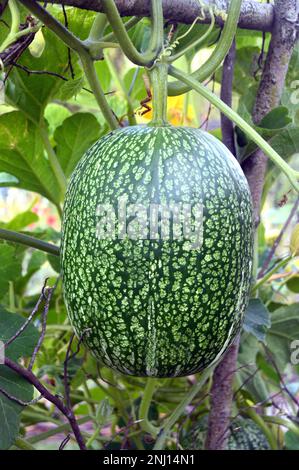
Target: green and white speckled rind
{"type": "Point", "coordinates": [154, 307]}
{"type": "Point", "coordinates": [244, 434]}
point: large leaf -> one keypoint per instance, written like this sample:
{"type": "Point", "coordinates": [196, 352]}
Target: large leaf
{"type": "Point", "coordinates": [10, 267]}
{"type": "Point", "coordinates": [284, 330]}
{"type": "Point", "coordinates": [248, 374]}
{"type": "Point", "coordinates": [257, 319]}
{"type": "Point", "coordinates": [76, 134]}
{"type": "Point", "coordinates": [22, 155]}
{"type": "Point", "coordinates": [12, 383]}
{"type": "Point", "coordinates": [30, 93]}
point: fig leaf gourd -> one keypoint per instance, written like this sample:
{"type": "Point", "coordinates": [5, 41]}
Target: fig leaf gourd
{"type": "Point", "coordinates": [156, 292]}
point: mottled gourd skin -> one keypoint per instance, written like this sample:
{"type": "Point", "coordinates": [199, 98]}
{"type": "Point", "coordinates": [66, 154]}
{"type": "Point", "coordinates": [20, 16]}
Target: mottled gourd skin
{"type": "Point", "coordinates": [157, 307]}
{"type": "Point", "coordinates": [243, 434]}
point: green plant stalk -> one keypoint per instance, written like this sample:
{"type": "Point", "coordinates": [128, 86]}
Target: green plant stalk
{"type": "Point", "coordinates": [57, 430]}
{"type": "Point", "coordinates": [98, 27]}
{"type": "Point", "coordinates": [176, 414]}
{"type": "Point", "coordinates": [93, 437]}
{"type": "Point", "coordinates": [128, 25]}
{"type": "Point", "coordinates": [266, 430]}
{"type": "Point", "coordinates": [282, 422]}
{"type": "Point", "coordinates": [218, 55]}
{"type": "Point", "coordinates": [91, 75]}
{"type": "Point", "coordinates": [149, 391]}
{"type": "Point", "coordinates": [267, 276]}
{"type": "Point", "coordinates": [82, 50]}
{"type": "Point", "coordinates": [15, 237]}
{"type": "Point", "coordinates": [117, 78]}
{"type": "Point", "coordinates": [158, 76]}
{"type": "Point", "coordinates": [53, 160]}
{"type": "Point", "coordinates": [23, 444]}
{"type": "Point", "coordinates": [156, 42]}
{"type": "Point", "coordinates": [291, 174]}
{"type": "Point", "coordinates": [15, 17]}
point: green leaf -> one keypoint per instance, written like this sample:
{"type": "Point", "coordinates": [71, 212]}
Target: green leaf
{"type": "Point", "coordinates": [10, 410]}
{"type": "Point", "coordinates": [10, 381]}
{"type": "Point", "coordinates": [291, 441]}
{"type": "Point", "coordinates": [257, 319]}
{"type": "Point", "coordinates": [248, 375]}
{"type": "Point", "coordinates": [76, 134]}
{"type": "Point", "coordinates": [10, 267]}
{"type": "Point", "coordinates": [284, 330]}
{"type": "Point", "coordinates": [293, 284]}
{"type": "Point", "coordinates": [22, 155]}
{"type": "Point", "coordinates": [30, 93]}
{"type": "Point", "coordinates": [24, 344]}
{"type": "Point", "coordinates": [21, 221]}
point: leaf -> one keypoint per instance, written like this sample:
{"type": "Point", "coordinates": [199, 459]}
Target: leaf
{"type": "Point", "coordinates": [257, 319]}
{"type": "Point", "coordinates": [248, 375]}
{"type": "Point", "coordinates": [76, 134]}
{"type": "Point", "coordinates": [30, 93]}
{"type": "Point", "coordinates": [24, 344]}
{"type": "Point", "coordinates": [284, 330]}
{"type": "Point", "coordinates": [10, 410]}
{"type": "Point", "coordinates": [22, 155]}
{"type": "Point", "coordinates": [21, 221]}
{"type": "Point", "coordinates": [10, 381]}
{"type": "Point", "coordinates": [293, 284]}
{"type": "Point", "coordinates": [291, 440]}
{"type": "Point", "coordinates": [10, 267]}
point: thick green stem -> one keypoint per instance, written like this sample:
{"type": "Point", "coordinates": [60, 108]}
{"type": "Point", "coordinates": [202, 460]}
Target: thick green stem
{"type": "Point", "coordinates": [266, 430]}
{"type": "Point", "coordinates": [176, 414]}
{"type": "Point", "coordinates": [91, 75]}
{"type": "Point", "coordinates": [53, 160]}
{"type": "Point", "coordinates": [291, 174]}
{"type": "Point", "coordinates": [15, 237]}
{"type": "Point", "coordinates": [98, 27]}
{"type": "Point", "coordinates": [23, 444]}
{"type": "Point", "coordinates": [145, 424]}
{"type": "Point", "coordinates": [158, 75]}
{"type": "Point", "coordinates": [148, 57]}
{"type": "Point", "coordinates": [219, 54]}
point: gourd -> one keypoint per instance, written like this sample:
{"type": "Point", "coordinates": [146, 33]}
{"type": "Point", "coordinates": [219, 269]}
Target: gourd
{"type": "Point", "coordinates": [146, 304]}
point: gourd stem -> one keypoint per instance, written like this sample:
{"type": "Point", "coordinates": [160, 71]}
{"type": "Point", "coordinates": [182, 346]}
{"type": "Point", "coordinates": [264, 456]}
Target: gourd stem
{"type": "Point", "coordinates": [98, 27]}
{"type": "Point", "coordinates": [91, 75]}
{"type": "Point", "coordinates": [219, 54]}
{"type": "Point", "coordinates": [158, 76]}
{"type": "Point", "coordinates": [27, 240]}
{"type": "Point", "coordinates": [291, 174]}
{"type": "Point", "coordinates": [148, 57]}
{"type": "Point", "coordinates": [145, 424]}
{"type": "Point", "coordinates": [176, 414]}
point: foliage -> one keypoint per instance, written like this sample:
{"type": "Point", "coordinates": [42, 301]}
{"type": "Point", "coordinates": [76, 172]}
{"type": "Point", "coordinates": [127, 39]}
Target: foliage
{"type": "Point", "coordinates": [53, 112]}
